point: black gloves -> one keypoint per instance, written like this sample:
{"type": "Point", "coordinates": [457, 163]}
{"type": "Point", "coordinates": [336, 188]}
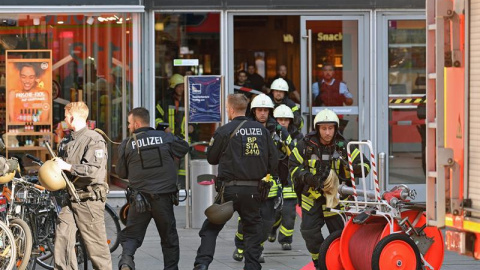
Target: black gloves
{"type": "Point", "coordinates": [12, 165]}
{"type": "Point", "coordinates": [314, 181]}
{"type": "Point", "coordinates": [140, 202]}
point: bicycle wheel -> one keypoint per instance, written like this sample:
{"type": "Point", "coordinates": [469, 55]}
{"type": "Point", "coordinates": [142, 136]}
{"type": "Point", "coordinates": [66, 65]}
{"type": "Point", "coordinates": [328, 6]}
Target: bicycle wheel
{"type": "Point", "coordinates": [8, 249]}
{"type": "Point", "coordinates": [24, 241]}
{"type": "Point", "coordinates": [112, 227]}
{"type": "Point", "coordinates": [46, 236]}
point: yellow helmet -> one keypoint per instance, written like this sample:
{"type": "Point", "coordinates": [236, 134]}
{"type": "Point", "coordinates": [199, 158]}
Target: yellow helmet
{"type": "Point", "coordinates": [283, 111]}
{"type": "Point", "coordinates": [326, 116]}
{"type": "Point", "coordinates": [50, 176]}
{"type": "Point", "coordinates": [175, 80]}
{"type": "Point", "coordinates": [7, 177]}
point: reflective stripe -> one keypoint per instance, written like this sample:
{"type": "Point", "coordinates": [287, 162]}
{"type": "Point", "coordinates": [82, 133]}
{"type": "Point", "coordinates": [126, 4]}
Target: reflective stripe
{"type": "Point", "coordinates": [314, 256]}
{"type": "Point", "coordinates": [307, 199]}
{"type": "Point", "coordinates": [277, 222]}
{"type": "Point", "coordinates": [295, 108]}
{"type": "Point", "coordinates": [293, 172]}
{"type": "Point", "coordinates": [160, 110]}
{"type": "Point", "coordinates": [311, 164]}
{"type": "Point", "coordinates": [306, 206]}
{"type": "Point", "coordinates": [239, 236]}
{"type": "Point", "coordinates": [355, 153]}
{"type": "Point", "coordinates": [171, 119]}
{"type": "Point", "coordinates": [286, 231]}
{"type": "Point", "coordinates": [297, 155]}
{"type": "Point", "coordinates": [181, 172]}
{"type": "Point", "coordinates": [367, 166]}
{"type": "Point", "coordinates": [158, 121]}
{"type": "Point", "coordinates": [273, 191]}
{"type": "Point", "coordinates": [314, 194]}
{"type": "Point", "coordinates": [289, 139]}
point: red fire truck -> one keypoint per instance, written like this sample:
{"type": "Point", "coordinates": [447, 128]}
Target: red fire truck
{"type": "Point", "coordinates": [453, 122]}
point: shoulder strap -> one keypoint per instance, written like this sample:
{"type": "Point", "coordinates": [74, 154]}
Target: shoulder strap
{"type": "Point", "coordinates": [238, 127]}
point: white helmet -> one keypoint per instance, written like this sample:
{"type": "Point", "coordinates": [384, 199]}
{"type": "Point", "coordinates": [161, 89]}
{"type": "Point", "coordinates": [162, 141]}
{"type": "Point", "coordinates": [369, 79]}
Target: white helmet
{"type": "Point", "coordinates": [326, 116]}
{"type": "Point", "coordinates": [262, 101]}
{"type": "Point", "coordinates": [279, 85]}
{"type": "Point", "coordinates": [283, 111]}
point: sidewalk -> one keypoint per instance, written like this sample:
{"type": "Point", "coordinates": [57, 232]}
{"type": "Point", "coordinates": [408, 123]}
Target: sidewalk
{"type": "Point", "coordinates": [149, 256]}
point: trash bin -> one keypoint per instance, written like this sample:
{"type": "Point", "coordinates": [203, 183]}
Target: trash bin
{"type": "Point", "coordinates": [202, 177]}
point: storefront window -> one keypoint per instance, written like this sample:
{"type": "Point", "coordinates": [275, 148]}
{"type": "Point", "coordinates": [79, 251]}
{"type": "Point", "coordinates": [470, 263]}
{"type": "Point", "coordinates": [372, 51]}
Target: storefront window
{"type": "Point", "coordinates": [183, 36]}
{"type": "Point", "coordinates": [91, 62]}
{"type": "Point", "coordinates": [194, 36]}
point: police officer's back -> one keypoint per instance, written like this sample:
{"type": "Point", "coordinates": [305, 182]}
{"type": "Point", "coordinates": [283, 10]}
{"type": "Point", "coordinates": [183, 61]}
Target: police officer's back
{"type": "Point", "coordinates": [245, 154]}
{"type": "Point", "coordinates": [147, 160]}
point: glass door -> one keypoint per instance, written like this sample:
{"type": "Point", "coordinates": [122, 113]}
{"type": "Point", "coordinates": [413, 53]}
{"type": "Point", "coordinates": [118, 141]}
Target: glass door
{"type": "Point", "coordinates": [401, 99]}
{"type": "Point", "coordinates": [334, 72]}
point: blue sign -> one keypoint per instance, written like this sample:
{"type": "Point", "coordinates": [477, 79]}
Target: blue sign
{"type": "Point", "coordinates": [204, 93]}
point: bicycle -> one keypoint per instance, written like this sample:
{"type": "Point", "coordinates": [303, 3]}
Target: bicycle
{"type": "Point", "coordinates": [8, 249]}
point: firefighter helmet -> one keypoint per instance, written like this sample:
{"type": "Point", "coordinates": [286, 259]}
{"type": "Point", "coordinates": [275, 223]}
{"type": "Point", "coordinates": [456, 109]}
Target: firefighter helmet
{"type": "Point", "coordinates": [219, 213]}
{"type": "Point", "coordinates": [262, 101]}
{"type": "Point", "coordinates": [279, 85]}
{"type": "Point", "coordinates": [326, 116]}
{"type": "Point", "coordinates": [50, 176]}
{"type": "Point", "coordinates": [283, 111]}
{"type": "Point", "coordinates": [175, 80]}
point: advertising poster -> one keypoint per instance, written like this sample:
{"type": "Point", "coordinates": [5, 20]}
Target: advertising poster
{"type": "Point", "coordinates": [204, 97]}
{"type": "Point", "coordinates": [29, 87]}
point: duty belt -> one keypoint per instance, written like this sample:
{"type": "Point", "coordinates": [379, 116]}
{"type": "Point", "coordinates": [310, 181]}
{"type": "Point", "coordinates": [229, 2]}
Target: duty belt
{"type": "Point", "coordinates": [250, 183]}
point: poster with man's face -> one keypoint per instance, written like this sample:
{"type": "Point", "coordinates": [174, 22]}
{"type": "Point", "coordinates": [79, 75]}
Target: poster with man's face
{"type": "Point", "coordinates": [29, 90]}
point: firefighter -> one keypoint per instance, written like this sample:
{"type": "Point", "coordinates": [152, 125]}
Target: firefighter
{"type": "Point", "coordinates": [147, 160]}
{"type": "Point", "coordinates": [279, 95]}
{"type": "Point", "coordinates": [285, 216]}
{"type": "Point", "coordinates": [245, 154]}
{"type": "Point", "coordinates": [317, 162]}
{"type": "Point", "coordinates": [261, 110]}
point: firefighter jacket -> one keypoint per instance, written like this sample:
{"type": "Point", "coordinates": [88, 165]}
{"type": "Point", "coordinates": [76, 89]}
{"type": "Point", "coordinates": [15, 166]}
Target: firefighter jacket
{"type": "Point", "coordinates": [310, 156]}
{"type": "Point", "coordinates": [288, 141]}
{"type": "Point", "coordinates": [249, 154]}
{"type": "Point", "coordinates": [86, 150]}
{"type": "Point", "coordinates": [147, 160]}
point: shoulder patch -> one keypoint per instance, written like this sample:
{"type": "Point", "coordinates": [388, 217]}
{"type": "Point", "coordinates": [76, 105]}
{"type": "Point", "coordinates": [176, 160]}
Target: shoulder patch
{"type": "Point", "coordinates": [99, 153]}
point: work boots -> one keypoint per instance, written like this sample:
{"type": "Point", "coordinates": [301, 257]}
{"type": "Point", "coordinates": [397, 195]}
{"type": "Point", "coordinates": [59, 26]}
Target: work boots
{"type": "Point", "coordinates": [126, 263]}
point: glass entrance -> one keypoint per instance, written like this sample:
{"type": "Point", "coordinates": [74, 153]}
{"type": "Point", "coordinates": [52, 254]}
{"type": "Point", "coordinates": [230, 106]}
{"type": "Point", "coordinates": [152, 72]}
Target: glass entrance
{"type": "Point", "coordinates": [334, 56]}
{"type": "Point", "coordinates": [402, 100]}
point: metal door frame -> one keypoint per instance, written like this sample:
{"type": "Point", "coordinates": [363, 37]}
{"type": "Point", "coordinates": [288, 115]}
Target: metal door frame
{"type": "Point", "coordinates": [382, 18]}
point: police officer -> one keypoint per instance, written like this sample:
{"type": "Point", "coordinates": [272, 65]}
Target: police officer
{"type": "Point", "coordinates": [261, 112]}
{"type": "Point", "coordinates": [285, 216]}
{"type": "Point", "coordinates": [245, 154]}
{"type": "Point", "coordinates": [278, 94]}
{"type": "Point", "coordinates": [147, 160]}
{"type": "Point", "coordinates": [83, 156]}
{"type": "Point", "coordinates": [310, 165]}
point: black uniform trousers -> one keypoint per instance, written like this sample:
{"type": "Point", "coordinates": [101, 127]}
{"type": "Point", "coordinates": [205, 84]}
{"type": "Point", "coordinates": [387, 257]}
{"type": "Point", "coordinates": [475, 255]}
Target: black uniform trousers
{"type": "Point", "coordinates": [162, 213]}
{"type": "Point", "coordinates": [267, 212]}
{"type": "Point", "coordinates": [312, 223]}
{"type": "Point", "coordinates": [246, 201]}
{"type": "Point", "coordinates": [285, 217]}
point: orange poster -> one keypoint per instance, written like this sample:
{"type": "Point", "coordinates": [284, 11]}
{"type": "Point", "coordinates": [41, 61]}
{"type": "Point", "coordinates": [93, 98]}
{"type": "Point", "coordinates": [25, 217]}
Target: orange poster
{"type": "Point", "coordinates": [29, 87]}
